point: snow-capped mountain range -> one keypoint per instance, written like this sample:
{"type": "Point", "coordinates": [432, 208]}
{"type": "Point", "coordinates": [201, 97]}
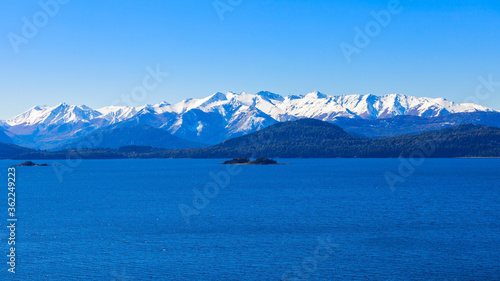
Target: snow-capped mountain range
{"type": "Point", "coordinates": [217, 117]}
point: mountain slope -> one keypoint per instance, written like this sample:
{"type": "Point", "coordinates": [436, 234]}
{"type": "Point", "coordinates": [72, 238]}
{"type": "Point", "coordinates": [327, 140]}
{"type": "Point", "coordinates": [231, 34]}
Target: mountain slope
{"type": "Point", "coordinates": [138, 135]}
{"type": "Point", "coordinates": [284, 138]}
{"type": "Point", "coordinates": [405, 124]}
{"type": "Point", "coordinates": [8, 151]}
{"type": "Point", "coordinates": [4, 138]}
{"type": "Point", "coordinates": [461, 141]}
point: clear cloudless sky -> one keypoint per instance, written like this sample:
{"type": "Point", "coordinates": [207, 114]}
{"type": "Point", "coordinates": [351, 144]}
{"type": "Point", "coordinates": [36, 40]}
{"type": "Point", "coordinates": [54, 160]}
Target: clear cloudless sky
{"type": "Point", "coordinates": [92, 52]}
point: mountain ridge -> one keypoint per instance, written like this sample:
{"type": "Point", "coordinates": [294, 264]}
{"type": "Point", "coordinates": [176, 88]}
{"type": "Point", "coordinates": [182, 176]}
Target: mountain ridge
{"type": "Point", "coordinates": [220, 116]}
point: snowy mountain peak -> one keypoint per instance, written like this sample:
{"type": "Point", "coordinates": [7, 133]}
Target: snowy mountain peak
{"type": "Point", "coordinates": [218, 97]}
{"type": "Point", "coordinates": [270, 96]}
{"type": "Point", "coordinates": [61, 113]}
{"type": "Point", "coordinates": [316, 95]}
{"type": "Point", "coordinates": [38, 108]}
{"type": "Point", "coordinates": [162, 104]}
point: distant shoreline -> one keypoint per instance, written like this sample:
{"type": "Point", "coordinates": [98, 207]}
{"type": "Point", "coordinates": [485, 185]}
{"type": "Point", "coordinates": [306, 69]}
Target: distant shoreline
{"type": "Point", "coordinates": [477, 157]}
{"type": "Point", "coordinates": [248, 164]}
{"type": "Point", "coordinates": [245, 164]}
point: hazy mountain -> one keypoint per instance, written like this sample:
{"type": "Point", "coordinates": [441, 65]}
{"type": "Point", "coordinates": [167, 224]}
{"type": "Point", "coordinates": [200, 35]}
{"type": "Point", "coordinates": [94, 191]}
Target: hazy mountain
{"type": "Point", "coordinates": [407, 124]}
{"type": "Point", "coordinates": [4, 138]}
{"type": "Point", "coordinates": [137, 135]}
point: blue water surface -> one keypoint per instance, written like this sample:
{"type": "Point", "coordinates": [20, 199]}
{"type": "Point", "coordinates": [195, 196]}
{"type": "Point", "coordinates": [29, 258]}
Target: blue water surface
{"type": "Point", "coordinates": [315, 219]}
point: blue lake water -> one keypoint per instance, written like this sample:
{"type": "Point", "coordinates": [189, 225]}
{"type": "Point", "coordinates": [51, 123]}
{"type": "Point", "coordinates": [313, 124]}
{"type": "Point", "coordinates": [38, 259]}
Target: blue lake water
{"type": "Point", "coordinates": [315, 219]}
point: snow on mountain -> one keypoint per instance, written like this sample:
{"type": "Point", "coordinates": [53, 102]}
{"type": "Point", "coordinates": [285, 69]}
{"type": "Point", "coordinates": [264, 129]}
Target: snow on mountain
{"type": "Point", "coordinates": [221, 115]}
{"type": "Point", "coordinates": [116, 114]}
{"type": "Point", "coordinates": [60, 114]}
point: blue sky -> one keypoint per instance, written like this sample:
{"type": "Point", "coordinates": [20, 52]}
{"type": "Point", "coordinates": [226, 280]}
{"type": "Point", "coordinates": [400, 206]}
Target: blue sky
{"type": "Point", "coordinates": [95, 52]}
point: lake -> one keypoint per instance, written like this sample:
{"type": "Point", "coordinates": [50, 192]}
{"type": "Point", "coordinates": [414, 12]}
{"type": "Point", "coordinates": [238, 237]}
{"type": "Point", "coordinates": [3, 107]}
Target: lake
{"type": "Point", "coordinates": [315, 219]}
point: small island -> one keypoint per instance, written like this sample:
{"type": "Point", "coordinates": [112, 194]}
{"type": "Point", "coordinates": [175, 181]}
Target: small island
{"type": "Point", "coordinates": [31, 164]}
{"type": "Point", "coordinates": [247, 161]}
